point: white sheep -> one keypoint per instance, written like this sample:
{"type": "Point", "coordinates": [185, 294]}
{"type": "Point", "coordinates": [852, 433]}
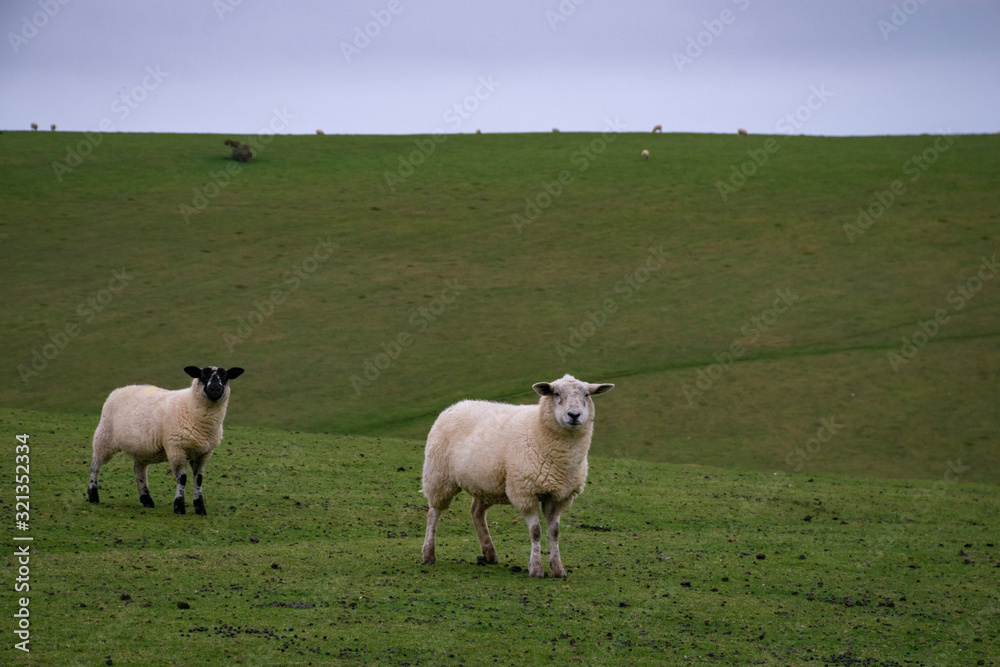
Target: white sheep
{"type": "Point", "coordinates": [154, 425]}
{"type": "Point", "coordinates": [742, 132]}
{"type": "Point", "coordinates": [512, 454]}
{"type": "Point", "coordinates": [645, 155]}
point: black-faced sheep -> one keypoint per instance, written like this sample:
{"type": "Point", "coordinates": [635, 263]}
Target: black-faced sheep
{"type": "Point", "coordinates": [154, 425]}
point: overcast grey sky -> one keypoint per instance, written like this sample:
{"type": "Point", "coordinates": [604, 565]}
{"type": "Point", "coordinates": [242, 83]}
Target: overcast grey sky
{"type": "Point", "coordinates": [832, 67]}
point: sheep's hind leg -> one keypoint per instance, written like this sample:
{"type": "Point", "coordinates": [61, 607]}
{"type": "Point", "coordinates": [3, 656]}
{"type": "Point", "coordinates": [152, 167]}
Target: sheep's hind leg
{"type": "Point", "coordinates": [95, 467]}
{"type": "Point", "coordinates": [479, 508]}
{"type": "Point", "coordinates": [432, 520]}
{"type": "Point", "coordinates": [140, 480]}
{"type": "Point", "coordinates": [535, 530]}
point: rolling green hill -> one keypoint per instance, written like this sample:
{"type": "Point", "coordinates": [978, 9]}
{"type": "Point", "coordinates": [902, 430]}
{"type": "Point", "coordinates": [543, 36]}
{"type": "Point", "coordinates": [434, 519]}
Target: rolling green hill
{"type": "Point", "coordinates": [836, 311]}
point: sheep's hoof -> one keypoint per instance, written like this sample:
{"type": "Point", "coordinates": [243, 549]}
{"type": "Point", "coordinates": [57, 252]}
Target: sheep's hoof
{"type": "Point", "coordinates": [146, 500]}
{"type": "Point", "coordinates": [199, 507]}
{"type": "Point", "coordinates": [539, 573]}
{"type": "Point", "coordinates": [92, 495]}
{"type": "Point", "coordinates": [429, 558]}
{"type": "Point", "coordinates": [179, 506]}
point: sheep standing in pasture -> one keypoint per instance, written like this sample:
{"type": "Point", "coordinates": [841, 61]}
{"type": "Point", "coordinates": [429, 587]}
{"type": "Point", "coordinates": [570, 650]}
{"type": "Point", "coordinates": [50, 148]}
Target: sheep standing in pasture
{"type": "Point", "coordinates": [742, 132]}
{"type": "Point", "coordinates": [520, 455]}
{"type": "Point", "coordinates": [154, 425]}
{"type": "Point", "coordinates": [658, 128]}
{"type": "Point", "coordinates": [320, 132]}
{"type": "Point", "coordinates": [645, 155]}
{"type": "Point", "coordinates": [241, 152]}
{"type": "Point", "coordinates": [34, 127]}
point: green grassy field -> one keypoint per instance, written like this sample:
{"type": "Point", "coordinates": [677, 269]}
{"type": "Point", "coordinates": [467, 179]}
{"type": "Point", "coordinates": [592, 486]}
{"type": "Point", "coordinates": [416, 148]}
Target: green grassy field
{"type": "Point", "coordinates": [310, 554]}
{"type": "Point", "coordinates": [775, 358]}
{"type": "Point", "coordinates": [484, 307]}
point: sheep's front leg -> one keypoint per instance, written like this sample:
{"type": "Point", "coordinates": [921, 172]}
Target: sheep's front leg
{"type": "Point", "coordinates": [552, 511]}
{"type": "Point", "coordinates": [197, 467]}
{"type": "Point", "coordinates": [140, 481]}
{"type": "Point", "coordinates": [535, 530]}
{"type": "Point", "coordinates": [483, 531]}
{"type": "Point", "coordinates": [177, 467]}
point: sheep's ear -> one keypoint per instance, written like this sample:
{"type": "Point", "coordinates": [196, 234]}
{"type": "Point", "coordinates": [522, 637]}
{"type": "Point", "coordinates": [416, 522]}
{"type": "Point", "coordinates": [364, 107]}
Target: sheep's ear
{"type": "Point", "coordinates": [193, 371]}
{"type": "Point", "coordinates": [542, 388]}
{"type": "Point", "coordinates": [234, 372]}
{"type": "Point", "coordinates": [596, 389]}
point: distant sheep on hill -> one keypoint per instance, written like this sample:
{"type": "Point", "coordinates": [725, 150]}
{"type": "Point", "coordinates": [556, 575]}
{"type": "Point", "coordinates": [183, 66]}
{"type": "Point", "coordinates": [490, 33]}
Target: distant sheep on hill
{"type": "Point", "coordinates": [320, 132]}
{"type": "Point", "coordinates": [645, 155]}
{"type": "Point", "coordinates": [34, 127]}
{"type": "Point", "coordinates": [154, 425]}
{"type": "Point", "coordinates": [741, 132]}
{"type": "Point", "coordinates": [658, 128]}
{"type": "Point", "coordinates": [241, 152]}
{"type": "Point", "coordinates": [53, 127]}
{"type": "Point", "coordinates": [520, 455]}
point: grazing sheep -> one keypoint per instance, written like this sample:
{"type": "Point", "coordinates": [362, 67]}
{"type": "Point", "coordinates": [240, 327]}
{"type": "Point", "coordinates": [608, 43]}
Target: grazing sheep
{"type": "Point", "coordinates": [512, 454]}
{"type": "Point", "coordinates": [320, 132]}
{"type": "Point", "coordinates": [154, 425]}
{"type": "Point", "coordinates": [645, 155]}
{"type": "Point", "coordinates": [53, 127]}
{"type": "Point", "coordinates": [658, 128]}
{"type": "Point", "coordinates": [741, 132]}
{"type": "Point", "coordinates": [34, 127]}
{"type": "Point", "coordinates": [241, 152]}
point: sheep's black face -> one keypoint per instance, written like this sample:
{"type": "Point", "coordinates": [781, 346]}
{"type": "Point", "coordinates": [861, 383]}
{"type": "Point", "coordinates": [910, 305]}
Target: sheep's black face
{"type": "Point", "coordinates": [213, 379]}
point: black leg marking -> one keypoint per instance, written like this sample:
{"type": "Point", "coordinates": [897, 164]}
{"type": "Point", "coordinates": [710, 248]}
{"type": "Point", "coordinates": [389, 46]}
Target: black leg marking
{"type": "Point", "coordinates": [199, 506]}
{"type": "Point", "coordinates": [179, 507]}
{"type": "Point", "coordinates": [92, 494]}
{"type": "Point", "coordinates": [146, 500]}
